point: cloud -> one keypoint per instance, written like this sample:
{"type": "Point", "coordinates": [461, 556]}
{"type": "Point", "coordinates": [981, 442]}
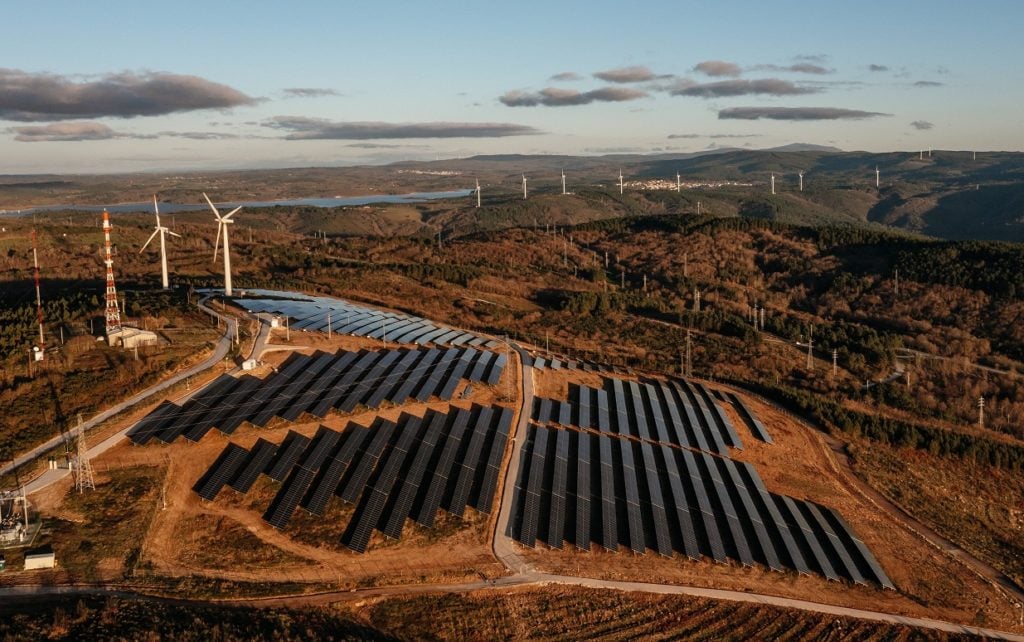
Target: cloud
{"type": "Point", "coordinates": [554, 97]}
{"type": "Point", "coordinates": [928, 83]}
{"type": "Point", "coordinates": [302, 128]}
{"type": "Point", "coordinates": [626, 75]}
{"type": "Point", "coordinates": [816, 58]}
{"type": "Point", "coordinates": [718, 68]}
{"type": "Point", "coordinates": [68, 132]}
{"type": "Point", "coordinates": [873, 67]}
{"type": "Point", "coordinates": [798, 68]}
{"type": "Point", "coordinates": [566, 76]}
{"type": "Point", "coordinates": [32, 97]}
{"type": "Point", "coordinates": [922, 125]}
{"type": "Point", "coordinates": [796, 113]}
{"type": "Point", "coordinates": [677, 136]}
{"type": "Point", "coordinates": [309, 92]}
{"type": "Point", "coordinates": [722, 88]}
{"type": "Point", "coordinates": [201, 135]}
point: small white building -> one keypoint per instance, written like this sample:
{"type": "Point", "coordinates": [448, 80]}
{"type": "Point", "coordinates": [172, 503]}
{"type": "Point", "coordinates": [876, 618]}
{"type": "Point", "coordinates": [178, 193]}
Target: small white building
{"type": "Point", "coordinates": [249, 364]}
{"type": "Point", "coordinates": [129, 338]}
{"type": "Point", "coordinates": [41, 558]}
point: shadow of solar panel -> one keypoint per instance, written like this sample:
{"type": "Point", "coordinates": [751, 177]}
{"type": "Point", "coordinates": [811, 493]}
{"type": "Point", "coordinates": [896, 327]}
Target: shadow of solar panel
{"type": "Point", "coordinates": [255, 463]}
{"type": "Point", "coordinates": [220, 472]}
{"type": "Point", "coordinates": [146, 429]}
{"type": "Point", "coordinates": [287, 455]}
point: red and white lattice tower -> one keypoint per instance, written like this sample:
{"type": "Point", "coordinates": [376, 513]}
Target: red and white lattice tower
{"type": "Point", "coordinates": [113, 314]}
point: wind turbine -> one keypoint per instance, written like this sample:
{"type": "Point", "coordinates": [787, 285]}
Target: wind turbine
{"type": "Point", "coordinates": [801, 175]}
{"type": "Point", "coordinates": [524, 187]}
{"type": "Point", "coordinates": [222, 224]}
{"type": "Point", "coordinates": [773, 183]}
{"type": "Point", "coordinates": [478, 193]}
{"type": "Point", "coordinates": [563, 182]}
{"type": "Point", "coordinates": [162, 231]}
{"type": "Point", "coordinates": [679, 183]}
{"type": "Point", "coordinates": [878, 179]}
{"type": "Point", "coordinates": [620, 182]}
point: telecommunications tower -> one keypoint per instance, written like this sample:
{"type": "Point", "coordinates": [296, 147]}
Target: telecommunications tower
{"type": "Point", "coordinates": [113, 313]}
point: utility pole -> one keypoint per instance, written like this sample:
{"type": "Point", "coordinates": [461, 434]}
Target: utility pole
{"type": "Point", "coordinates": [686, 260]}
{"type": "Point", "coordinates": [835, 362]}
{"type": "Point", "coordinates": [698, 208]}
{"type": "Point", "coordinates": [622, 275]}
{"type": "Point", "coordinates": [645, 282]}
{"type": "Point", "coordinates": [981, 404]}
{"type": "Point", "coordinates": [762, 317]}
{"type": "Point", "coordinates": [896, 287]}
{"type": "Point", "coordinates": [696, 300]}
{"type": "Point", "coordinates": [810, 345]}
{"type": "Point", "coordinates": [547, 343]}
{"type": "Point", "coordinates": [83, 467]}
{"type": "Point", "coordinates": [328, 325]}
{"type": "Point", "coordinates": [287, 329]}
{"type": "Point", "coordinates": [383, 332]}
{"type": "Point", "coordinates": [689, 364]}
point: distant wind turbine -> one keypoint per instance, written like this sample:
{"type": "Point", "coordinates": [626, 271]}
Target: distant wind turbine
{"type": "Point", "coordinates": [801, 175]}
{"type": "Point", "coordinates": [222, 224]}
{"type": "Point", "coordinates": [524, 187]}
{"type": "Point", "coordinates": [161, 230]}
{"type": "Point", "coordinates": [563, 182]}
{"type": "Point", "coordinates": [620, 181]}
{"type": "Point", "coordinates": [773, 183]}
{"type": "Point", "coordinates": [878, 180]}
{"type": "Point", "coordinates": [478, 192]}
{"type": "Point", "coordinates": [679, 183]}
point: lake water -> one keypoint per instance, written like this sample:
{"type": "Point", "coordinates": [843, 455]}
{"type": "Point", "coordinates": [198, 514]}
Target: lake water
{"type": "Point", "coordinates": [170, 208]}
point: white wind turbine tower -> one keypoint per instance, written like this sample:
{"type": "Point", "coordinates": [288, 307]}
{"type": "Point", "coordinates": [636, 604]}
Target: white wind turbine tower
{"type": "Point", "coordinates": [773, 183]}
{"type": "Point", "coordinates": [801, 175]}
{"type": "Point", "coordinates": [222, 224]}
{"type": "Point", "coordinates": [620, 181]}
{"type": "Point", "coordinates": [524, 187]}
{"type": "Point", "coordinates": [679, 183]}
{"type": "Point", "coordinates": [161, 230]}
{"type": "Point", "coordinates": [878, 179]}
{"type": "Point", "coordinates": [563, 182]}
{"type": "Point", "coordinates": [478, 192]}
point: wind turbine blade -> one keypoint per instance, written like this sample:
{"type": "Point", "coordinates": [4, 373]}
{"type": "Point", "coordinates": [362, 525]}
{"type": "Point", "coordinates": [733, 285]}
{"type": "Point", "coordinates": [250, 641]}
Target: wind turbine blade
{"type": "Point", "coordinates": [156, 209]}
{"type": "Point", "coordinates": [231, 213]}
{"type": "Point", "coordinates": [151, 237]}
{"type": "Point", "coordinates": [172, 233]}
{"type": "Point", "coordinates": [216, 243]}
{"type": "Point", "coordinates": [216, 212]}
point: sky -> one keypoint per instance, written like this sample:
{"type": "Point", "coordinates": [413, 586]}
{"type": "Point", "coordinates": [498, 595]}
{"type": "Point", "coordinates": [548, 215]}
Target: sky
{"type": "Point", "coordinates": [92, 87]}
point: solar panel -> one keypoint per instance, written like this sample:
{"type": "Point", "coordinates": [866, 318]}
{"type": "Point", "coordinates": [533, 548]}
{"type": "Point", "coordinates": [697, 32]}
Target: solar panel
{"type": "Point", "coordinates": [417, 373]}
{"type": "Point", "coordinates": [366, 461]}
{"type": "Point", "coordinates": [564, 410]}
{"type": "Point", "coordinates": [663, 541]}
{"type": "Point", "coordinates": [332, 396]}
{"type": "Point", "coordinates": [621, 423]}
{"type": "Point", "coordinates": [416, 328]}
{"type": "Point", "coordinates": [220, 472]}
{"type": "Point", "coordinates": [677, 433]}
{"type": "Point", "coordinates": [756, 427]}
{"type": "Point", "coordinates": [394, 378]}
{"type": "Point", "coordinates": [531, 517]}
{"type": "Point", "coordinates": [433, 380]}
{"type": "Point", "coordinates": [426, 512]}
{"type": "Point", "coordinates": [142, 432]}
{"type": "Point", "coordinates": [604, 422]}
{"type": "Point", "coordinates": [830, 542]}
{"type": "Point", "coordinates": [465, 470]}
{"type": "Point", "coordinates": [654, 414]}
{"type": "Point", "coordinates": [609, 527]}
{"type": "Point", "coordinates": [692, 427]}
{"type": "Point", "coordinates": [556, 516]}
{"type": "Point", "coordinates": [785, 544]}
{"type": "Point", "coordinates": [678, 506]}
{"type": "Point", "coordinates": [488, 483]}
{"type": "Point", "coordinates": [428, 337]}
{"type": "Point", "coordinates": [456, 373]}
{"type": "Point", "coordinates": [721, 419]}
{"type": "Point", "coordinates": [368, 513]}
{"type": "Point", "coordinates": [866, 562]}
{"type": "Point", "coordinates": [287, 455]}
{"type": "Point", "coordinates": [582, 395]}
{"type": "Point", "coordinates": [714, 534]}
{"type": "Point", "coordinates": [260, 455]}
{"type": "Point", "coordinates": [639, 415]}
{"type": "Point", "coordinates": [484, 362]}
{"type": "Point", "coordinates": [291, 391]}
{"type": "Point", "coordinates": [807, 540]}
{"type": "Point", "coordinates": [749, 515]}
{"type": "Point", "coordinates": [363, 387]}
{"type": "Point", "coordinates": [583, 492]}
{"type": "Point", "coordinates": [403, 505]}
{"type": "Point", "coordinates": [494, 374]}
{"type": "Point", "coordinates": [543, 413]}
{"type": "Point", "coordinates": [637, 539]}
{"type": "Point", "coordinates": [233, 411]}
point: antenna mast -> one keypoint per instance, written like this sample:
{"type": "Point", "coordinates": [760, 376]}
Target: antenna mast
{"type": "Point", "coordinates": [39, 300]}
{"type": "Point", "coordinates": [113, 313]}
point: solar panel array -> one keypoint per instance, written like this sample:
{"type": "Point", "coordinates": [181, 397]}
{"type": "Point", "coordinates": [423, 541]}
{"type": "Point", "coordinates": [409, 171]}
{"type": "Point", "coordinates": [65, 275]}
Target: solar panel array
{"type": "Point", "coordinates": [316, 384]}
{"type": "Point", "coordinates": [390, 471]}
{"type": "Point", "coordinates": [675, 412]}
{"type": "Point", "coordinates": [605, 489]}
{"type": "Point", "coordinates": [315, 313]}
{"type": "Point", "coordinates": [555, 362]}
{"type": "Point", "coordinates": [756, 427]}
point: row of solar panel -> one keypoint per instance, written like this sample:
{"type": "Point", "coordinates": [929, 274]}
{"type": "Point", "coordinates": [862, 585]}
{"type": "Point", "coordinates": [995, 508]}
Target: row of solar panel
{"type": "Point", "coordinates": [584, 487]}
{"type": "Point", "coordinates": [561, 363]}
{"type": "Point", "coordinates": [323, 314]}
{"type": "Point", "coordinates": [756, 427]}
{"type": "Point", "coordinates": [673, 412]}
{"type": "Point", "coordinates": [317, 383]}
{"type": "Point", "coordinates": [390, 471]}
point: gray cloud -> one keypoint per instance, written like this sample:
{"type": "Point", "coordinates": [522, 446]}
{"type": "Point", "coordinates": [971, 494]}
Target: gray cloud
{"type": "Point", "coordinates": [722, 88]}
{"type": "Point", "coordinates": [928, 83]}
{"type": "Point", "coordinates": [302, 128]}
{"type": "Point", "coordinates": [676, 136]}
{"type": "Point", "coordinates": [922, 125]}
{"type": "Point", "coordinates": [555, 97]}
{"type": "Point", "coordinates": [69, 132]}
{"type": "Point", "coordinates": [626, 74]}
{"type": "Point", "coordinates": [816, 58]}
{"type": "Point", "coordinates": [718, 68]}
{"type": "Point", "coordinates": [31, 97]}
{"type": "Point", "coordinates": [874, 67]}
{"type": "Point", "coordinates": [798, 68]}
{"type": "Point", "coordinates": [796, 113]}
{"type": "Point", "coordinates": [201, 135]}
{"type": "Point", "coordinates": [566, 76]}
{"type": "Point", "coordinates": [309, 92]}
